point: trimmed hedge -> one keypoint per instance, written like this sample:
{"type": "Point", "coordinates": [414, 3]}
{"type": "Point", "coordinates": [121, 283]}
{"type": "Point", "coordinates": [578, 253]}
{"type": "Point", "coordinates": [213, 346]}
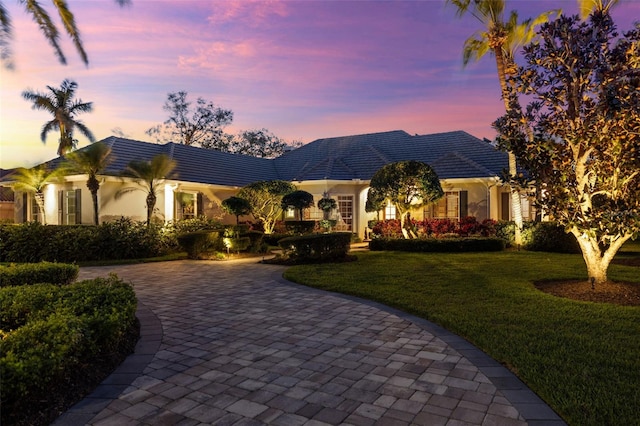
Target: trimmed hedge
{"type": "Point", "coordinates": [316, 247]}
{"type": "Point", "coordinates": [34, 273]}
{"type": "Point", "coordinates": [199, 242]}
{"type": "Point", "coordinates": [549, 237]}
{"type": "Point", "coordinates": [300, 227]}
{"type": "Point", "coordinates": [439, 245]}
{"type": "Point", "coordinates": [49, 331]}
{"type": "Point", "coordinates": [120, 239]}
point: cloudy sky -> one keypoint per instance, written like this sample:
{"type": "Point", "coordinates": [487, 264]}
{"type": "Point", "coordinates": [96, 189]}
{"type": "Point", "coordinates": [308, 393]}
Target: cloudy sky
{"type": "Point", "coordinates": [303, 69]}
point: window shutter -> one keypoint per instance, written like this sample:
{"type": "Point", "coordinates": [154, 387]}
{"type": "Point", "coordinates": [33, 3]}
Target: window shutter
{"type": "Point", "coordinates": [200, 205]}
{"type": "Point", "coordinates": [60, 207]}
{"type": "Point", "coordinates": [506, 205]}
{"type": "Point", "coordinates": [463, 203]}
{"type": "Point", "coordinates": [25, 207]}
{"type": "Point", "coordinates": [78, 207]}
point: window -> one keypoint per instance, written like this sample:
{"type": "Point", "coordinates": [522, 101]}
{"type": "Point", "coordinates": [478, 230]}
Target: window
{"type": "Point", "coordinates": [69, 210]}
{"type": "Point", "coordinates": [390, 211]}
{"type": "Point", "coordinates": [36, 215]}
{"type": "Point", "coordinates": [186, 205]}
{"type": "Point", "coordinates": [448, 207]}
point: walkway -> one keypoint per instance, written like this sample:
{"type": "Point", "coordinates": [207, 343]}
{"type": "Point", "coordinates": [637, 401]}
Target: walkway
{"type": "Point", "coordinates": [232, 343]}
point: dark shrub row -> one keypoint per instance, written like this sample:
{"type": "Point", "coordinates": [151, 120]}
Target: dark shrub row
{"type": "Point", "coordinates": [35, 273]}
{"type": "Point", "coordinates": [435, 227]}
{"type": "Point", "coordinates": [49, 332]}
{"type": "Point", "coordinates": [442, 245]}
{"type": "Point", "coordinates": [121, 239]}
{"type": "Point", "coordinates": [548, 236]}
{"type": "Point", "coordinates": [197, 243]}
{"type": "Point", "coordinates": [316, 247]}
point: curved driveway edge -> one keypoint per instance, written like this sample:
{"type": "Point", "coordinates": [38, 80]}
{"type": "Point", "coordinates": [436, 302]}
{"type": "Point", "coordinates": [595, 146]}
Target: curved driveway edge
{"type": "Point", "coordinates": [235, 343]}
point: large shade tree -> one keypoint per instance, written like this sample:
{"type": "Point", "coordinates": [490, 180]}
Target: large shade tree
{"type": "Point", "coordinates": [265, 198]}
{"type": "Point", "coordinates": [34, 181]}
{"type": "Point", "coordinates": [259, 143]}
{"type": "Point", "coordinates": [91, 161]}
{"type": "Point", "coordinates": [501, 37]}
{"type": "Point", "coordinates": [405, 184]}
{"type": "Point", "coordinates": [582, 81]}
{"type": "Point", "coordinates": [200, 124]}
{"type": "Point", "coordinates": [148, 176]}
{"type": "Point", "coordinates": [60, 103]}
{"type": "Point", "coordinates": [47, 26]}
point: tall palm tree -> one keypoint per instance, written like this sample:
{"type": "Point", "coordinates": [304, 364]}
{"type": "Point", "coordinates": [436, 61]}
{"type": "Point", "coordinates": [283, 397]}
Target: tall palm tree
{"type": "Point", "coordinates": [148, 175]}
{"type": "Point", "coordinates": [60, 103]}
{"type": "Point", "coordinates": [90, 161]}
{"type": "Point", "coordinates": [34, 181]}
{"type": "Point", "coordinates": [47, 26]}
{"type": "Point", "coordinates": [502, 38]}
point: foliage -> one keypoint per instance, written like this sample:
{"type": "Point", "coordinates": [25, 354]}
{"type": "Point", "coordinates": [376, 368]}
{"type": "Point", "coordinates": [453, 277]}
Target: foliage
{"type": "Point", "coordinates": [582, 80]}
{"type": "Point", "coordinates": [406, 185]}
{"type": "Point", "coordinates": [47, 27]}
{"type": "Point", "coordinates": [34, 181]}
{"type": "Point", "coordinates": [259, 143]}
{"type": "Point", "coordinates": [439, 245]}
{"type": "Point", "coordinates": [198, 242]}
{"type": "Point", "coordinates": [316, 247]}
{"type": "Point", "coordinates": [265, 198]}
{"type": "Point", "coordinates": [200, 223]}
{"type": "Point", "coordinates": [34, 273]}
{"type": "Point", "coordinates": [549, 237]}
{"type": "Point", "coordinates": [326, 204]}
{"type": "Point", "coordinates": [300, 227]}
{"type": "Point", "coordinates": [236, 206]}
{"type": "Point", "coordinates": [50, 331]}
{"type": "Point", "coordinates": [581, 358]}
{"type": "Point", "coordinates": [120, 239]}
{"type": "Point", "coordinates": [298, 200]}
{"type": "Point", "coordinates": [201, 125]}
{"type": "Point", "coordinates": [467, 226]}
{"type": "Point", "coordinates": [148, 175]}
{"type": "Point", "coordinates": [60, 103]}
{"type": "Point", "coordinates": [91, 161]}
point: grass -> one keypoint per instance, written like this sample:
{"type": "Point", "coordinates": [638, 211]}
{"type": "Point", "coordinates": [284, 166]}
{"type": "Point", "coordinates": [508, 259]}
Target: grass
{"type": "Point", "coordinates": [582, 358]}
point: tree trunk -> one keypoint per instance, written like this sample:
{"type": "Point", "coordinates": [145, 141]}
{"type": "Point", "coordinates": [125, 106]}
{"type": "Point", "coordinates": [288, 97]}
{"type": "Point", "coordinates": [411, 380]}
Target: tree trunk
{"type": "Point", "coordinates": [39, 197]}
{"type": "Point", "coordinates": [516, 204]}
{"type": "Point", "coordinates": [151, 204]}
{"type": "Point", "coordinates": [94, 186]}
{"type": "Point", "coordinates": [597, 260]}
{"type": "Point", "coordinates": [405, 225]}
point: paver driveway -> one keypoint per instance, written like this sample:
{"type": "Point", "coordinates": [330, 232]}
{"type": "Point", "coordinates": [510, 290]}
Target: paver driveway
{"type": "Point", "coordinates": [233, 343]}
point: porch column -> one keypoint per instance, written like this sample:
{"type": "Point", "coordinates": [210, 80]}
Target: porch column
{"type": "Point", "coordinates": [169, 201]}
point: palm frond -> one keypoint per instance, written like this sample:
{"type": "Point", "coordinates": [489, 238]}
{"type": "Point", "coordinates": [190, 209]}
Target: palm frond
{"type": "Point", "coordinates": [69, 23]}
{"type": "Point", "coordinates": [48, 28]}
{"type": "Point", "coordinates": [48, 127]}
{"type": "Point", "coordinates": [84, 130]}
{"type": "Point", "coordinates": [6, 34]}
{"type": "Point", "coordinates": [475, 47]}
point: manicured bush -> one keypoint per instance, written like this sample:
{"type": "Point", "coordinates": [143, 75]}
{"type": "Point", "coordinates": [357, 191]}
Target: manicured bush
{"type": "Point", "coordinates": [316, 247]}
{"type": "Point", "coordinates": [199, 242]}
{"type": "Point", "coordinates": [272, 239]}
{"type": "Point", "coordinates": [438, 245]}
{"type": "Point", "coordinates": [120, 239]}
{"type": "Point", "coordinates": [49, 332]}
{"type": "Point", "coordinates": [300, 227]}
{"type": "Point", "coordinates": [550, 237]}
{"type": "Point", "coordinates": [256, 244]}
{"type": "Point", "coordinates": [33, 273]}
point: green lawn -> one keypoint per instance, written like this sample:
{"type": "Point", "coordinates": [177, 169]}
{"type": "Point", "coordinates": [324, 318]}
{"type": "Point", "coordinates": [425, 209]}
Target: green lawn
{"type": "Point", "coordinates": [582, 358]}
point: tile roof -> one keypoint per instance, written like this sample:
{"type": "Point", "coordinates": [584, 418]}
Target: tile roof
{"type": "Point", "coordinates": [453, 155]}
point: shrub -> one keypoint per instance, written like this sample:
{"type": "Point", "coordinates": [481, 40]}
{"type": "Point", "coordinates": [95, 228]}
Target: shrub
{"type": "Point", "coordinates": [550, 237]}
{"type": "Point", "coordinates": [33, 273]}
{"type": "Point", "coordinates": [198, 242]}
{"type": "Point", "coordinates": [300, 227]}
{"type": "Point", "coordinates": [273, 239]}
{"type": "Point", "coordinates": [316, 247]}
{"type": "Point", "coordinates": [120, 239]}
{"type": "Point", "coordinates": [50, 331]}
{"type": "Point", "coordinates": [441, 245]}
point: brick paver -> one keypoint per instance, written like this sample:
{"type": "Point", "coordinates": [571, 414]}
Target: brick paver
{"type": "Point", "coordinates": [233, 343]}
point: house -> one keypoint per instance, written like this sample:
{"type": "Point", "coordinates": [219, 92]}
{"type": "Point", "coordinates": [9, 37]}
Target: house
{"type": "Point", "coordinates": [469, 169]}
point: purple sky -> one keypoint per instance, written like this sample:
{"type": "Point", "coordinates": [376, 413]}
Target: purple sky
{"type": "Point", "coordinates": [302, 69]}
